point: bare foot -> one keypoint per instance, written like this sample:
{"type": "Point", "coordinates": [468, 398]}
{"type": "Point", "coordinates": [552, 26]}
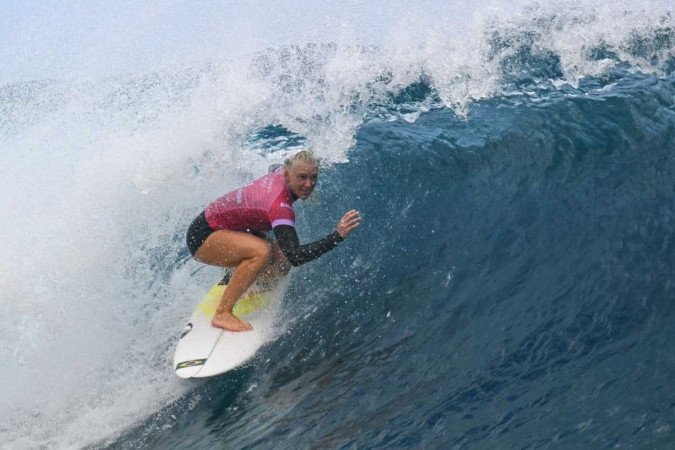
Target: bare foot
{"type": "Point", "coordinates": [230, 322]}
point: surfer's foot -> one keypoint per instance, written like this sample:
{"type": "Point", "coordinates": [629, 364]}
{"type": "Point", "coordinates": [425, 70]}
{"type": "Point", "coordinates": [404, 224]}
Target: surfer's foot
{"type": "Point", "coordinates": [230, 322]}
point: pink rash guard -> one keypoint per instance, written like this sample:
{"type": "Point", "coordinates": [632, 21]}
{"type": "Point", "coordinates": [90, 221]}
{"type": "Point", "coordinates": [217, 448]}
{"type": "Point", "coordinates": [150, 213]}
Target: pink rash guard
{"type": "Point", "coordinates": [258, 206]}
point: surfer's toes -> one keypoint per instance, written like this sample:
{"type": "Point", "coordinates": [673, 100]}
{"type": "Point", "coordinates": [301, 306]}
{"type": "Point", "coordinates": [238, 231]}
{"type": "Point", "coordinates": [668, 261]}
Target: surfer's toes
{"type": "Point", "coordinates": [230, 323]}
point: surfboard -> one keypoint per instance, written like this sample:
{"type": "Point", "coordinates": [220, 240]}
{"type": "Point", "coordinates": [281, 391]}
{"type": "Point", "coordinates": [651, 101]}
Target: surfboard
{"type": "Point", "coordinates": [205, 351]}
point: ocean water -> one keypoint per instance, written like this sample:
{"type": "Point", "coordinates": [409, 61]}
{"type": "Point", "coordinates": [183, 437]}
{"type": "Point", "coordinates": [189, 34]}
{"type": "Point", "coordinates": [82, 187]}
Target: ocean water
{"type": "Point", "coordinates": [511, 286]}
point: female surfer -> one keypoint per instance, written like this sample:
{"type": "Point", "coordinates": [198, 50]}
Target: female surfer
{"type": "Point", "coordinates": [230, 232]}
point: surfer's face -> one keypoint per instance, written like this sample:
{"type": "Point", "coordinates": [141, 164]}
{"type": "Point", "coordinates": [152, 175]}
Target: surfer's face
{"type": "Point", "coordinates": [301, 179]}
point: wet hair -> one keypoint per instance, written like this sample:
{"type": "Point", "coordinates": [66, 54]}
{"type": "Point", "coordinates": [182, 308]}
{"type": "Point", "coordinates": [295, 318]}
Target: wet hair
{"type": "Point", "coordinates": [305, 156]}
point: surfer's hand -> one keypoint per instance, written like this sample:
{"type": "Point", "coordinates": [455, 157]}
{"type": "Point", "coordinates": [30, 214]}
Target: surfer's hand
{"type": "Point", "coordinates": [349, 222]}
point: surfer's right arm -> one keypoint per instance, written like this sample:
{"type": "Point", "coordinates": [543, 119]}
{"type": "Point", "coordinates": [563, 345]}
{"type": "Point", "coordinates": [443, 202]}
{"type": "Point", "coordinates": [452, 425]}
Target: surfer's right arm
{"type": "Point", "coordinates": [297, 254]}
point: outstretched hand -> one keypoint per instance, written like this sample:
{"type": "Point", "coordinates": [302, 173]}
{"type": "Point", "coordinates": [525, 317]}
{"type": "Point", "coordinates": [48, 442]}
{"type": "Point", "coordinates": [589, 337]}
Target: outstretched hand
{"type": "Point", "coordinates": [348, 223]}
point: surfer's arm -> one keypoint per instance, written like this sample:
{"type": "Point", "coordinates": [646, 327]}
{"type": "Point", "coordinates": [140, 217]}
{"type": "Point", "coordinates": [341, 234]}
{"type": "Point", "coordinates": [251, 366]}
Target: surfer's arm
{"type": "Point", "coordinates": [297, 254]}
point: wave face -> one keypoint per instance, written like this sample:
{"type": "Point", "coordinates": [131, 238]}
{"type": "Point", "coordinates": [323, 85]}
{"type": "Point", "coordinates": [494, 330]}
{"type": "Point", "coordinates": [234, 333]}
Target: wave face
{"type": "Point", "coordinates": [511, 284]}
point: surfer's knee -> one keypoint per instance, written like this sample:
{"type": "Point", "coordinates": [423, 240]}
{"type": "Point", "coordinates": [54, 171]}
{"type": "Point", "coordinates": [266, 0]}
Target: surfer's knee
{"type": "Point", "coordinates": [261, 253]}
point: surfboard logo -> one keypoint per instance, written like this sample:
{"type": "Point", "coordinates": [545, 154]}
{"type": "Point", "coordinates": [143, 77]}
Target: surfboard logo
{"type": "Point", "coordinates": [191, 363]}
{"type": "Point", "coordinates": [186, 330]}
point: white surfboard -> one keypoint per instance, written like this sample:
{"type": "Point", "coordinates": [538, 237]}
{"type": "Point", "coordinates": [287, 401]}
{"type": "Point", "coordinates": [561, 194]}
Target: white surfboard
{"type": "Point", "coordinates": [205, 351]}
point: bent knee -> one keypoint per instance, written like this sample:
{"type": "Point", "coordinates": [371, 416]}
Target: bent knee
{"type": "Point", "coordinates": [262, 252]}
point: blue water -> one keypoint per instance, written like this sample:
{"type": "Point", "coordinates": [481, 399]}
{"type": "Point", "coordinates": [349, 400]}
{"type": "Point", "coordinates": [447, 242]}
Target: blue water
{"type": "Point", "coordinates": [511, 286]}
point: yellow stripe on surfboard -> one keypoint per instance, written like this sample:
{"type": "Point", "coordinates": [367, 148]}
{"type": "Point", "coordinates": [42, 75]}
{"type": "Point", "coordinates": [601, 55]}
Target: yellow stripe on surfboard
{"type": "Point", "coordinates": [248, 304]}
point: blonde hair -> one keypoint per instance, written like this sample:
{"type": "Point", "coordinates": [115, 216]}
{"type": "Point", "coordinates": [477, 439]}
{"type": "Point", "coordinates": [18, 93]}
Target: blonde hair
{"type": "Point", "coordinates": [305, 156]}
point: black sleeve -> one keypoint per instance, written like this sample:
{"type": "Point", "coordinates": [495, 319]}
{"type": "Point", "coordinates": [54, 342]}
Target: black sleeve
{"type": "Point", "coordinates": [298, 254]}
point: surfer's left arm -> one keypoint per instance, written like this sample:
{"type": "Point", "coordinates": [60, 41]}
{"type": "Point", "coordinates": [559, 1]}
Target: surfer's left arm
{"type": "Point", "coordinates": [297, 254]}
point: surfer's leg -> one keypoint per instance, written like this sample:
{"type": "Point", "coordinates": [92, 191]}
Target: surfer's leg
{"type": "Point", "coordinates": [276, 268]}
{"type": "Point", "coordinates": [248, 254]}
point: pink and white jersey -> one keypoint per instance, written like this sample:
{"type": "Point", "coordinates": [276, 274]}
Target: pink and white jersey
{"type": "Point", "coordinates": [258, 206]}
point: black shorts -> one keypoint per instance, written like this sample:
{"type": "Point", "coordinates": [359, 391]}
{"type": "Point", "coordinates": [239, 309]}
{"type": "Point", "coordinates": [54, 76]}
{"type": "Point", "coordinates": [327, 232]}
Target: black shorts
{"type": "Point", "coordinates": [197, 233]}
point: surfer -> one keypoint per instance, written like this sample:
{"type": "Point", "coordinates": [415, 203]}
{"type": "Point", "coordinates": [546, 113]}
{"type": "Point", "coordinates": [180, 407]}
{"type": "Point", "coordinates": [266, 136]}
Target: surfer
{"type": "Point", "coordinates": [230, 232]}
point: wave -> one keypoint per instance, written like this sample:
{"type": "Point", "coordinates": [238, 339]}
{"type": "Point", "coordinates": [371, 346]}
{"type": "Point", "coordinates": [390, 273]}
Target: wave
{"type": "Point", "coordinates": [516, 187]}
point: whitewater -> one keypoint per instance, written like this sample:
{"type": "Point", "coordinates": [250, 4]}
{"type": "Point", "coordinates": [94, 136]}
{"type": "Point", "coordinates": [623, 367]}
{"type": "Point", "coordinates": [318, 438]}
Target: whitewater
{"type": "Point", "coordinates": [511, 285]}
